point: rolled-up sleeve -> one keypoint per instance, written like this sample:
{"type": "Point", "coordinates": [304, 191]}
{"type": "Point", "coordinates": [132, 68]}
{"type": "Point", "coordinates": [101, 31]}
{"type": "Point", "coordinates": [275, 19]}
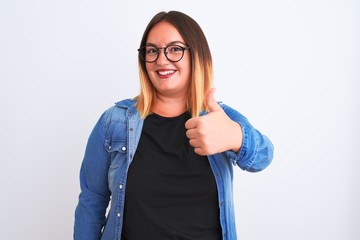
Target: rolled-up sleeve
{"type": "Point", "coordinates": [256, 152]}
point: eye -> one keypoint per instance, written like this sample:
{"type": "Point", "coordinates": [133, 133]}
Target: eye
{"type": "Point", "coordinates": [151, 50]}
{"type": "Point", "coordinates": [175, 49]}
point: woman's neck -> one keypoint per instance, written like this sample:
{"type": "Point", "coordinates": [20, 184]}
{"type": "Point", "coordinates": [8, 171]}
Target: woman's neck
{"type": "Point", "coordinates": [169, 107]}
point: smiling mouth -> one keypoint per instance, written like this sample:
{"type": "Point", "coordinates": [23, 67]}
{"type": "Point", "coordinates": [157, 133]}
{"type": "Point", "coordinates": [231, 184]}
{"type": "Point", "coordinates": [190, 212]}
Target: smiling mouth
{"type": "Point", "coordinates": [166, 73]}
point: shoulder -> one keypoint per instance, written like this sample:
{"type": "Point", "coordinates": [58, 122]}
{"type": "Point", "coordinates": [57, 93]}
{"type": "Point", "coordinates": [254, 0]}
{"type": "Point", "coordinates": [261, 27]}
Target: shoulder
{"type": "Point", "coordinates": [228, 109]}
{"type": "Point", "coordinates": [232, 112]}
{"type": "Point", "coordinates": [117, 112]}
{"type": "Point", "coordinates": [126, 103]}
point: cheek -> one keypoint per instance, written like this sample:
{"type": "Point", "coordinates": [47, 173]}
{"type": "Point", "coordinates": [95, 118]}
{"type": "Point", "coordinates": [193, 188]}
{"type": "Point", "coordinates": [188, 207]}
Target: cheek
{"type": "Point", "coordinates": [147, 67]}
{"type": "Point", "coordinates": [185, 67]}
{"type": "Point", "coordinates": [188, 65]}
{"type": "Point", "coordinates": [149, 71]}
{"type": "Point", "coordinates": [187, 71]}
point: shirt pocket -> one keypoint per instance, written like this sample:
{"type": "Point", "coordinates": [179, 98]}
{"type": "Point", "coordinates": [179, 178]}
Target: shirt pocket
{"type": "Point", "coordinates": [117, 150]}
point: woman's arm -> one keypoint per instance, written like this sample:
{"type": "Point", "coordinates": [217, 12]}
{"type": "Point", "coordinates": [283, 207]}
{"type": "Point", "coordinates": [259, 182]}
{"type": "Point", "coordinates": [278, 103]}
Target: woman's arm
{"type": "Point", "coordinates": [256, 151]}
{"type": "Point", "coordinates": [95, 194]}
{"type": "Point", "coordinates": [223, 129]}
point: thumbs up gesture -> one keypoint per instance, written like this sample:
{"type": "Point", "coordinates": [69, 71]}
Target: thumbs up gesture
{"type": "Point", "coordinates": [214, 132]}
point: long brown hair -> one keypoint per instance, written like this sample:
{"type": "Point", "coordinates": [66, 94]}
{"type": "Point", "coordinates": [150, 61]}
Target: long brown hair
{"type": "Point", "coordinates": [201, 63]}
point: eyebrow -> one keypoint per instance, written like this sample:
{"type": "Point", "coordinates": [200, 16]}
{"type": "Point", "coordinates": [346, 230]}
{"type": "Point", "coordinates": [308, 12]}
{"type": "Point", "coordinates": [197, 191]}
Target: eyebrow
{"type": "Point", "coordinates": [170, 43]}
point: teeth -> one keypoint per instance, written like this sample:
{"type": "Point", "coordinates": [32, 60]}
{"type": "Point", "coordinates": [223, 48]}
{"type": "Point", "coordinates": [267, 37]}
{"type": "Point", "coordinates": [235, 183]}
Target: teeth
{"type": "Point", "coordinates": [166, 72]}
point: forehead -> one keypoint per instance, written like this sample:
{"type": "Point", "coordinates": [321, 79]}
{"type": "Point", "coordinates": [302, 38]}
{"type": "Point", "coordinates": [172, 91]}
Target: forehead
{"type": "Point", "coordinates": [163, 33]}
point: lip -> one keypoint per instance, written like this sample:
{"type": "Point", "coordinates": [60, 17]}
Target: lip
{"type": "Point", "coordinates": [165, 73]}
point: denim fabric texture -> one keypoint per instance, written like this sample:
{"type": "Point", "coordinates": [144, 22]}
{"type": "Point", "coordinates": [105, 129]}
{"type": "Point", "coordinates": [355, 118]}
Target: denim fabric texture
{"type": "Point", "coordinates": [109, 152]}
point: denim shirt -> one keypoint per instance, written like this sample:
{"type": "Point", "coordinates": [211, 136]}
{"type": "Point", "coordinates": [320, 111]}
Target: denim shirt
{"type": "Point", "coordinates": [109, 152]}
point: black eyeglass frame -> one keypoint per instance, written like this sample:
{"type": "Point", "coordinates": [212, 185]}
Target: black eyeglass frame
{"type": "Point", "coordinates": [165, 52]}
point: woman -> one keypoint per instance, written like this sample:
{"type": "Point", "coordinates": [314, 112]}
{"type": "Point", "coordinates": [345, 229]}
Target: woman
{"type": "Point", "coordinates": [165, 158]}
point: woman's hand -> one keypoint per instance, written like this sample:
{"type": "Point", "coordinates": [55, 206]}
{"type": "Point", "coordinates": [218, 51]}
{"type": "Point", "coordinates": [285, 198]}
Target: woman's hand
{"type": "Point", "coordinates": [214, 132]}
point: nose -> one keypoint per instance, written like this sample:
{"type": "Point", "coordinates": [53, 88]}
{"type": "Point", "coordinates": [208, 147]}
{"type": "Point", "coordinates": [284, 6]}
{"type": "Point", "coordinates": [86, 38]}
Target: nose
{"type": "Point", "coordinates": [162, 59]}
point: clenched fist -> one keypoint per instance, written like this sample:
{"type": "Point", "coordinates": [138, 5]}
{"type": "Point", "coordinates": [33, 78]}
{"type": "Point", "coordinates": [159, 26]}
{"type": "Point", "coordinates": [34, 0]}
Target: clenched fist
{"type": "Point", "coordinates": [214, 132]}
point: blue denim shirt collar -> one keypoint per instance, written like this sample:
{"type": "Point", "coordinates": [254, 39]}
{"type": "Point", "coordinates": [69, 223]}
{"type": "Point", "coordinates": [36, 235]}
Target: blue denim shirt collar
{"type": "Point", "coordinates": [126, 103]}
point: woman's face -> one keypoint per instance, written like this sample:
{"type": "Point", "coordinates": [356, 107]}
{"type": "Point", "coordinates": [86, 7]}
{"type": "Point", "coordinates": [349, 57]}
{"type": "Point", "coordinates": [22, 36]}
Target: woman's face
{"type": "Point", "coordinates": [170, 79]}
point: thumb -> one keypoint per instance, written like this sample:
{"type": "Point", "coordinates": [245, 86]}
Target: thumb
{"type": "Point", "coordinates": [211, 102]}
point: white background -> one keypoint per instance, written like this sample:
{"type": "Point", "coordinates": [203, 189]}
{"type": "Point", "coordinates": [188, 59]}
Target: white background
{"type": "Point", "coordinates": [291, 67]}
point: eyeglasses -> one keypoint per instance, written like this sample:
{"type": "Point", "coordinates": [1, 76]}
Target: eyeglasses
{"type": "Point", "coordinates": [174, 53]}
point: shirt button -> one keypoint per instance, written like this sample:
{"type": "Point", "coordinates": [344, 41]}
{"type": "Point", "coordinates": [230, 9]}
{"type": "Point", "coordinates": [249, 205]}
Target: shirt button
{"type": "Point", "coordinates": [109, 147]}
{"type": "Point", "coordinates": [131, 129]}
{"type": "Point", "coordinates": [123, 149]}
{"type": "Point", "coordinates": [222, 204]}
{"type": "Point", "coordinates": [118, 214]}
{"type": "Point", "coordinates": [121, 186]}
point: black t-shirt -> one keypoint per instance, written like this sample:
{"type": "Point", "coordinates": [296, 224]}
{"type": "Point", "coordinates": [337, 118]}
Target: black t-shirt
{"type": "Point", "coordinates": [171, 191]}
